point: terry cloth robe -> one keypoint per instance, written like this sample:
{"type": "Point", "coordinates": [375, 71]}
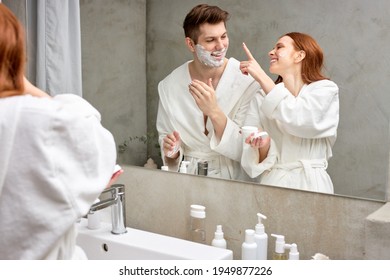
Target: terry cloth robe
{"type": "Point", "coordinates": [178, 111]}
{"type": "Point", "coordinates": [56, 159]}
{"type": "Point", "coordinates": [303, 130]}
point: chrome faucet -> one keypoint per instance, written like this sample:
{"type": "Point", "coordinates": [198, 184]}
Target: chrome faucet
{"type": "Point", "coordinates": [117, 203]}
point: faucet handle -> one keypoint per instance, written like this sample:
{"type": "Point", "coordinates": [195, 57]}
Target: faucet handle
{"type": "Point", "coordinates": [115, 189]}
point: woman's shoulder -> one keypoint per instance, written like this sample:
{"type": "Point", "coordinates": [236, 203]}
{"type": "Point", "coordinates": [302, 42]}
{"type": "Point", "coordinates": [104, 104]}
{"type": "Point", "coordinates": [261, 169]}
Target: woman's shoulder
{"type": "Point", "coordinates": [321, 84]}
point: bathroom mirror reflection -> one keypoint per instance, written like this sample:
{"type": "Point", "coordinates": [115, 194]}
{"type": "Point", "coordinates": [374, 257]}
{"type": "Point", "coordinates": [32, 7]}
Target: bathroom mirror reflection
{"type": "Point", "coordinates": [129, 46]}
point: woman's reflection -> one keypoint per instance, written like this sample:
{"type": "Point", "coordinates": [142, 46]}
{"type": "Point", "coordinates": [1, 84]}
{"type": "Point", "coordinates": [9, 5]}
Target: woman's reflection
{"type": "Point", "coordinates": [300, 112]}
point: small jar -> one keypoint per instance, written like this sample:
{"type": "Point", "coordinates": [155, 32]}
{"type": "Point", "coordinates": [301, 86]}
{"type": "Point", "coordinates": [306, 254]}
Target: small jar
{"type": "Point", "coordinates": [198, 216]}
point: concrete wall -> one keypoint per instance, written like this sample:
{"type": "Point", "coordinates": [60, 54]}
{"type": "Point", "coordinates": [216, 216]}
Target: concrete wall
{"type": "Point", "coordinates": [353, 35]}
{"type": "Point", "coordinates": [114, 69]}
{"type": "Point", "coordinates": [340, 227]}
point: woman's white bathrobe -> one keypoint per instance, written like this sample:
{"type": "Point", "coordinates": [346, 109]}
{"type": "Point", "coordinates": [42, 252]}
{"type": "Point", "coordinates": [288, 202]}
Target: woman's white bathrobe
{"type": "Point", "coordinates": [55, 160]}
{"type": "Point", "coordinates": [303, 130]}
{"type": "Point", "coordinates": [178, 111]}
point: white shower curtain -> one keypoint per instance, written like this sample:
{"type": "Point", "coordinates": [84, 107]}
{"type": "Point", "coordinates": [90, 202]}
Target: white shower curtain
{"type": "Point", "coordinates": [54, 45]}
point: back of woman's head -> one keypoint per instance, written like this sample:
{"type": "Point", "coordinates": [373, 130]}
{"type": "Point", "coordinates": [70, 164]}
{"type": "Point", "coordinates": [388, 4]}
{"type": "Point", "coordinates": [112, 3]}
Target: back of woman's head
{"type": "Point", "coordinates": [201, 14]}
{"type": "Point", "coordinates": [12, 54]}
{"type": "Point", "coordinates": [313, 62]}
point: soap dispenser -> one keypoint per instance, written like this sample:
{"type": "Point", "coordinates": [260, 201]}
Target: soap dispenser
{"type": "Point", "coordinates": [280, 253]}
{"type": "Point", "coordinates": [261, 238]}
{"type": "Point", "coordinates": [249, 246]}
{"type": "Point", "coordinates": [218, 240]}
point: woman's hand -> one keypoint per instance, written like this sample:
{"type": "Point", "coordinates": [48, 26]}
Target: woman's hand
{"type": "Point", "coordinates": [114, 177]}
{"type": "Point", "coordinates": [261, 143]}
{"type": "Point", "coordinates": [253, 68]}
{"type": "Point", "coordinates": [250, 66]}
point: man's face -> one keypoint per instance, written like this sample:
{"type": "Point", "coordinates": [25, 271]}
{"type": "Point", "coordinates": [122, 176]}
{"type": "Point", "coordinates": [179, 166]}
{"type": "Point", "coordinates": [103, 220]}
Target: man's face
{"type": "Point", "coordinates": [212, 45]}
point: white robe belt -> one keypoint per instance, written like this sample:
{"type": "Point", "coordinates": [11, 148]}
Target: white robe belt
{"type": "Point", "coordinates": [308, 166]}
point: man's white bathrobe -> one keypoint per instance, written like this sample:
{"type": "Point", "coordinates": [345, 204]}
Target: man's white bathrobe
{"type": "Point", "coordinates": [55, 160]}
{"type": "Point", "coordinates": [178, 111]}
{"type": "Point", "coordinates": [303, 130]}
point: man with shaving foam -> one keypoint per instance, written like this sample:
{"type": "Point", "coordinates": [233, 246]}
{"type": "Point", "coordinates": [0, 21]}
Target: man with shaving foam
{"type": "Point", "coordinates": [203, 102]}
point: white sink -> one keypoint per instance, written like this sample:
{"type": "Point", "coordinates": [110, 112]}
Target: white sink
{"type": "Point", "coordinates": [101, 244]}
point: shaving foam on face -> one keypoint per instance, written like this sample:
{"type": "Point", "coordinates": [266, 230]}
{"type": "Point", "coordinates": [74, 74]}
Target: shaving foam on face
{"type": "Point", "coordinates": [211, 59]}
{"type": "Point", "coordinates": [282, 54]}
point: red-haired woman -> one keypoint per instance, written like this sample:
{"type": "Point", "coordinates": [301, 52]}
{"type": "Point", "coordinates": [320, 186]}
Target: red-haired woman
{"type": "Point", "coordinates": [300, 112]}
{"type": "Point", "coordinates": [55, 159]}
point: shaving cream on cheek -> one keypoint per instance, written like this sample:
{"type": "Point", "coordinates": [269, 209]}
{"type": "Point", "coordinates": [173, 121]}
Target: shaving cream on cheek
{"type": "Point", "coordinates": [212, 59]}
{"type": "Point", "coordinates": [282, 54]}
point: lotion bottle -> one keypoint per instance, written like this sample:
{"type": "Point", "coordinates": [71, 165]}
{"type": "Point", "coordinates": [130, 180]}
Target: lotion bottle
{"type": "Point", "coordinates": [261, 238]}
{"type": "Point", "coordinates": [249, 246]}
{"type": "Point", "coordinates": [280, 253]}
{"type": "Point", "coordinates": [294, 254]}
{"type": "Point", "coordinates": [218, 240]}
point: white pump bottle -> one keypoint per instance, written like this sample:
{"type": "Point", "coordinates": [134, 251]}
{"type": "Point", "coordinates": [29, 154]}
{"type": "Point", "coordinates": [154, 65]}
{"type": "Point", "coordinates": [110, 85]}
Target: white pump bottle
{"type": "Point", "coordinates": [280, 246]}
{"type": "Point", "coordinates": [218, 240]}
{"type": "Point", "coordinates": [261, 239]}
{"type": "Point", "coordinates": [249, 246]}
{"type": "Point", "coordinates": [294, 254]}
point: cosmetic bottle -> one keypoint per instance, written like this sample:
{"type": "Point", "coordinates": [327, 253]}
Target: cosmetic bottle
{"type": "Point", "coordinates": [203, 167]}
{"type": "Point", "coordinates": [249, 246]}
{"type": "Point", "coordinates": [261, 238]}
{"type": "Point", "coordinates": [279, 253]}
{"type": "Point", "coordinates": [197, 228]}
{"type": "Point", "coordinates": [218, 240]}
{"type": "Point", "coordinates": [184, 166]}
{"type": "Point", "coordinates": [293, 254]}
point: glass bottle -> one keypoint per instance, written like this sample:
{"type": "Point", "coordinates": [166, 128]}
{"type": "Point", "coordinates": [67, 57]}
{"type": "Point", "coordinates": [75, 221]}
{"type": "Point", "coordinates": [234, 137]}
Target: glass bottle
{"type": "Point", "coordinates": [198, 217]}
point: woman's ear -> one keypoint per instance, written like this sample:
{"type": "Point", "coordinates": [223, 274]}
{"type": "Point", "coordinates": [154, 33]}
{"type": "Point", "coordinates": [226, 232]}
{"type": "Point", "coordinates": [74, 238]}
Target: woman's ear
{"type": "Point", "coordinates": [190, 44]}
{"type": "Point", "coordinates": [300, 56]}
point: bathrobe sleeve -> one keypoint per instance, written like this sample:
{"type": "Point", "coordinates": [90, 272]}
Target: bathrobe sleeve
{"type": "Point", "coordinates": [314, 113]}
{"type": "Point", "coordinates": [250, 156]}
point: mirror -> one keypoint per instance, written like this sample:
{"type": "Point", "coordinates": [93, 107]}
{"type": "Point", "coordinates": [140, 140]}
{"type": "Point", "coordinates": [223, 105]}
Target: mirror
{"type": "Point", "coordinates": [129, 46]}
{"type": "Point", "coordinates": [353, 38]}
{"type": "Point", "coordinates": [348, 37]}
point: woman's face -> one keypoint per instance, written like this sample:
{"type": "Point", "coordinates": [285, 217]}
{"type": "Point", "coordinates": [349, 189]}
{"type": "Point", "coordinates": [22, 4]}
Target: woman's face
{"type": "Point", "coordinates": [282, 56]}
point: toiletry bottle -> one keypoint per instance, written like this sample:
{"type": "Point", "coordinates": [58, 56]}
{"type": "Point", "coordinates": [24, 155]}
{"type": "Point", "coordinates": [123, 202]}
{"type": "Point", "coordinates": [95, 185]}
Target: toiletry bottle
{"type": "Point", "coordinates": [280, 253]}
{"type": "Point", "coordinates": [261, 238]}
{"type": "Point", "coordinates": [249, 246]}
{"type": "Point", "coordinates": [198, 216]}
{"type": "Point", "coordinates": [294, 254]}
{"type": "Point", "coordinates": [184, 166]}
{"type": "Point", "coordinates": [218, 240]}
{"type": "Point", "coordinates": [203, 167]}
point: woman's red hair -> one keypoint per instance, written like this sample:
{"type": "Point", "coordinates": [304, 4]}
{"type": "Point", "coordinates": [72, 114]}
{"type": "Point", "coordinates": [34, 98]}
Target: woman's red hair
{"type": "Point", "coordinates": [12, 54]}
{"type": "Point", "coordinates": [313, 62]}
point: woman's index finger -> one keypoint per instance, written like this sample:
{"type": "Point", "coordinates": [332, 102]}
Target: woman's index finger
{"type": "Point", "coordinates": [248, 52]}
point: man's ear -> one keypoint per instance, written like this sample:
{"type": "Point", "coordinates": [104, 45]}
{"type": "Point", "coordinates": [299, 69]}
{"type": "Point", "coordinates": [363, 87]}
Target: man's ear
{"type": "Point", "coordinates": [300, 56]}
{"type": "Point", "coordinates": [190, 44]}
